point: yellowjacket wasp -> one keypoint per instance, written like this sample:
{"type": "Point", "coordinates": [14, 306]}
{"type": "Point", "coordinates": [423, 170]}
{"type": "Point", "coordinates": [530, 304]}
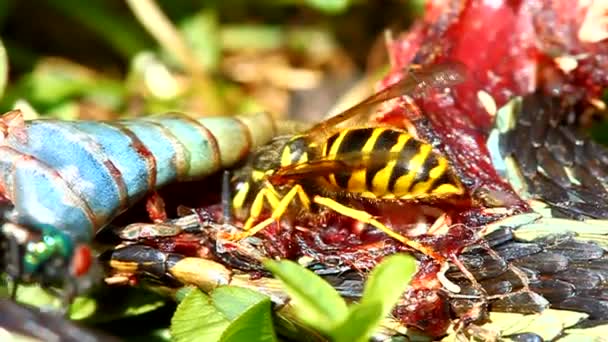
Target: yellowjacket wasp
{"type": "Point", "coordinates": [345, 158]}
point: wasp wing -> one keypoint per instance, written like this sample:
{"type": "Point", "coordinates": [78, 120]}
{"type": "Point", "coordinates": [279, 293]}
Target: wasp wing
{"type": "Point", "coordinates": [349, 162]}
{"type": "Point", "coordinates": [436, 76]}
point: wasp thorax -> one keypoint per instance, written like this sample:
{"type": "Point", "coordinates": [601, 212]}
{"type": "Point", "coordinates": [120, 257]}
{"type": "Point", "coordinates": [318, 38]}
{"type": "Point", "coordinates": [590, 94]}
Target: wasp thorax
{"type": "Point", "coordinates": [267, 157]}
{"type": "Point", "coordinates": [295, 151]}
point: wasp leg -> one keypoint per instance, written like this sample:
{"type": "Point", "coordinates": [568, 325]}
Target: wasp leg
{"type": "Point", "coordinates": [366, 217]}
{"type": "Point", "coordinates": [268, 193]}
{"type": "Point", "coordinates": [278, 210]}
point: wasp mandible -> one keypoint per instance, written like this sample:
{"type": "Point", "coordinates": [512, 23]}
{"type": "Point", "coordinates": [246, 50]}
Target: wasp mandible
{"type": "Point", "coordinates": [344, 157]}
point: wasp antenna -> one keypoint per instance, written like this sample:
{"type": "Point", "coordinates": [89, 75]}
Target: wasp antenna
{"type": "Point", "coordinates": [226, 198]}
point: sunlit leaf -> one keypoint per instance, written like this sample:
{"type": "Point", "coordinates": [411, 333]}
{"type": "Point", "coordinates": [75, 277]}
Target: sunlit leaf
{"type": "Point", "coordinates": [387, 282]}
{"type": "Point", "coordinates": [232, 300]}
{"type": "Point", "coordinates": [36, 296]}
{"type": "Point", "coordinates": [196, 319]}
{"type": "Point", "coordinates": [82, 307]}
{"type": "Point", "coordinates": [252, 324]}
{"type": "Point", "coordinates": [318, 304]}
{"type": "Point", "coordinates": [360, 324]}
{"type": "Point", "coordinates": [183, 293]}
{"type": "Point", "coordinates": [229, 314]}
{"type": "Point", "coordinates": [596, 333]}
{"type": "Point", "coordinates": [548, 324]}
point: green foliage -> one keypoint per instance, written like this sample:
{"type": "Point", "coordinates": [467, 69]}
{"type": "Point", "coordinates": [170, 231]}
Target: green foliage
{"type": "Point", "coordinates": [320, 306]}
{"type": "Point", "coordinates": [329, 6]}
{"type": "Point", "coordinates": [55, 84]}
{"type": "Point", "coordinates": [228, 314]}
{"type": "Point", "coordinates": [92, 309]}
{"type": "Point", "coordinates": [201, 32]}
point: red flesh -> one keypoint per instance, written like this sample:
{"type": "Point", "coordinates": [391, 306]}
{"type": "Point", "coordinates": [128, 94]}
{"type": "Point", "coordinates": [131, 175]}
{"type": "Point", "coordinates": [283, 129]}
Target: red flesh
{"type": "Point", "coordinates": [504, 44]}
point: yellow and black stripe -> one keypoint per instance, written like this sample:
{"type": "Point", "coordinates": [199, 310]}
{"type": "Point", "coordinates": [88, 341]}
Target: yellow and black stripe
{"type": "Point", "coordinates": [408, 168]}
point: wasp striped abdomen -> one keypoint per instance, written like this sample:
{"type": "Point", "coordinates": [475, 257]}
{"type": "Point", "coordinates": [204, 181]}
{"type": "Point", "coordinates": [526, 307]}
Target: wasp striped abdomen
{"type": "Point", "coordinates": [393, 165]}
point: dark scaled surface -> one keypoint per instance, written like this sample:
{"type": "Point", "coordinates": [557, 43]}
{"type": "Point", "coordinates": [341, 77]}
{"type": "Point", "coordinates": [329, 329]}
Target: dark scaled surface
{"type": "Point", "coordinates": [567, 281]}
{"type": "Point", "coordinates": [557, 149]}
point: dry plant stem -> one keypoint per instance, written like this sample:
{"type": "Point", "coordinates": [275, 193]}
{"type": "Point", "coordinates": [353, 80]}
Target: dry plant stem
{"type": "Point", "coordinates": [162, 29]}
{"type": "Point", "coordinates": [159, 26]}
{"type": "Point", "coordinates": [4, 68]}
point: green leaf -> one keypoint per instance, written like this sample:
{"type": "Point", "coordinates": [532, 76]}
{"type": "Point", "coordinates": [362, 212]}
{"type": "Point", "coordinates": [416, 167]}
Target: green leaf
{"type": "Point", "coordinates": [253, 324]}
{"type": "Point", "coordinates": [196, 319]}
{"type": "Point", "coordinates": [183, 293]}
{"type": "Point", "coordinates": [360, 325]}
{"type": "Point", "coordinates": [233, 301]}
{"type": "Point", "coordinates": [229, 314]}
{"type": "Point", "coordinates": [315, 301]}
{"type": "Point", "coordinates": [387, 282]}
{"type": "Point", "coordinates": [36, 296]}
{"type": "Point", "coordinates": [82, 307]}
{"type": "Point", "coordinates": [3, 68]}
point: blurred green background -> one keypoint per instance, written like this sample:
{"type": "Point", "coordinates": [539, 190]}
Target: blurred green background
{"type": "Point", "coordinates": [102, 59]}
